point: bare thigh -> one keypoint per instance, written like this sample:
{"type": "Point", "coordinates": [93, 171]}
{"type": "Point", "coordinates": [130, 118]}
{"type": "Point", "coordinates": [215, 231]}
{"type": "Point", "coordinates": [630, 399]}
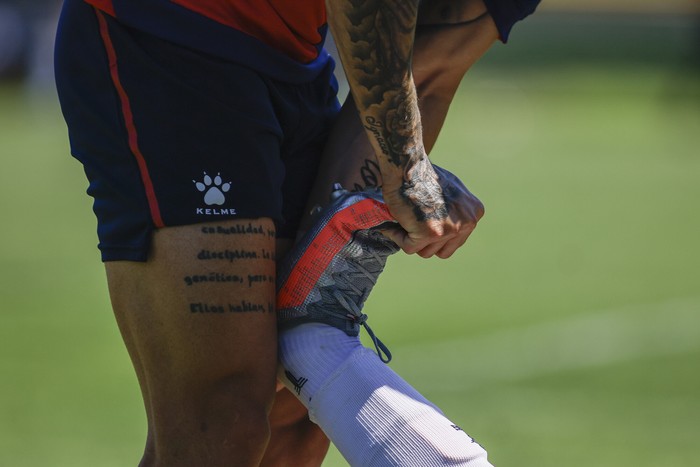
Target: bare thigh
{"type": "Point", "coordinates": [198, 321]}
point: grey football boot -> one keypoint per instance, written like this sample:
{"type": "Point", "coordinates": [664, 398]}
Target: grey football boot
{"type": "Point", "coordinates": [330, 272]}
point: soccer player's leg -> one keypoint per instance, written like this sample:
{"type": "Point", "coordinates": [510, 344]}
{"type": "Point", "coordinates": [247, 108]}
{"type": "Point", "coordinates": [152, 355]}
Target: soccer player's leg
{"type": "Point", "coordinates": [190, 256]}
{"type": "Point", "coordinates": [322, 359]}
{"type": "Point", "coordinates": [202, 337]}
{"type": "Point", "coordinates": [370, 413]}
{"type": "Point", "coordinates": [295, 441]}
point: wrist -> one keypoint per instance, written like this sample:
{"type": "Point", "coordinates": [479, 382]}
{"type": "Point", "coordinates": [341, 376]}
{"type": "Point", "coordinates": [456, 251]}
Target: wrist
{"type": "Point", "coordinates": [419, 191]}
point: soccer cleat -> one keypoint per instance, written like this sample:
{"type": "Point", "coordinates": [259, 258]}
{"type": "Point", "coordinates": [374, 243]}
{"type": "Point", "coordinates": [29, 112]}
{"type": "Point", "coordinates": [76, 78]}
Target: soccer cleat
{"type": "Point", "coordinates": [330, 272]}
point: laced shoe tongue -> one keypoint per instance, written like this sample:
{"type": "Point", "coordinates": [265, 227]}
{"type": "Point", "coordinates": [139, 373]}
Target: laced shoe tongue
{"type": "Point", "coordinates": [341, 258]}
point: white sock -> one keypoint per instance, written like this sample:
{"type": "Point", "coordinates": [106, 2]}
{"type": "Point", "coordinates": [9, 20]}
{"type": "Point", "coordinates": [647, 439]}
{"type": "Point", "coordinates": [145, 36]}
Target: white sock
{"type": "Point", "coordinates": [370, 413]}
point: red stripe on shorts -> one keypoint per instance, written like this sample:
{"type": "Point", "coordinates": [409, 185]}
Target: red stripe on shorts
{"type": "Point", "coordinates": [129, 122]}
{"type": "Point", "coordinates": [326, 245]}
{"type": "Point", "coordinates": [104, 5]}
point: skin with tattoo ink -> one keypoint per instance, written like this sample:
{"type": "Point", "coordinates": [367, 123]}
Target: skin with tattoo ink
{"type": "Point", "coordinates": [213, 262]}
{"type": "Point", "coordinates": [375, 42]}
{"type": "Point", "coordinates": [370, 175]}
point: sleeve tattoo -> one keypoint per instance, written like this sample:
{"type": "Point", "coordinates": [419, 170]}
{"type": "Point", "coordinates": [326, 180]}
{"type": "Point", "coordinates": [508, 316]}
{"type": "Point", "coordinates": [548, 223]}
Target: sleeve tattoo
{"type": "Point", "coordinates": [375, 41]}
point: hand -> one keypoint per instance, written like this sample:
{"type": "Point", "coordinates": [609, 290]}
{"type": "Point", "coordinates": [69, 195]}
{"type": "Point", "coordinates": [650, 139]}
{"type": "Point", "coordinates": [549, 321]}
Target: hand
{"type": "Point", "coordinates": [435, 211]}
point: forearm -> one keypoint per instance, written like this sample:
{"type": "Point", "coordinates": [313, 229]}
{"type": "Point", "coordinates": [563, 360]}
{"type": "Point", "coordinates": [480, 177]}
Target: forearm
{"type": "Point", "coordinates": [451, 36]}
{"type": "Point", "coordinates": [375, 42]}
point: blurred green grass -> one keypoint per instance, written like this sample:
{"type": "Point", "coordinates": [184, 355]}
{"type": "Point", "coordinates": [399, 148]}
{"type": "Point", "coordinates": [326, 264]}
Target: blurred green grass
{"type": "Point", "coordinates": [590, 172]}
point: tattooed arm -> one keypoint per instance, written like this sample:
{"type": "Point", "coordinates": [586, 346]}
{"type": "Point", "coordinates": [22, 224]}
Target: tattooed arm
{"type": "Point", "coordinates": [375, 42]}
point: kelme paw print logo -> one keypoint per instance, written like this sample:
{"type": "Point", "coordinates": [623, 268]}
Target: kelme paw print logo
{"type": "Point", "coordinates": [214, 189]}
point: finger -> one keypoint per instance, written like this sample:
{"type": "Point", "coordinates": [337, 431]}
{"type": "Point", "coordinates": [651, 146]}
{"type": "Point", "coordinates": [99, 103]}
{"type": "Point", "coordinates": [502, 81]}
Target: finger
{"type": "Point", "coordinates": [395, 234]}
{"type": "Point", "coordinates": [430, 250]}
{"type": "Point", "coordinates": [410, 245]}
{"type": "Point", "coordinates": [398, 236]}
{"type": "Point", "coordinates": [452, 245]}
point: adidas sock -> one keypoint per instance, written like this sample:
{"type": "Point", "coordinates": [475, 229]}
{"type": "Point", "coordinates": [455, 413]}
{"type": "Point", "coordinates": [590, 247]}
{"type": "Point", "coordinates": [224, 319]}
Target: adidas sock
{"type": "Point", "coordinates": [370, 413]}
{"type": "Point", "coordinates": [309, 353]}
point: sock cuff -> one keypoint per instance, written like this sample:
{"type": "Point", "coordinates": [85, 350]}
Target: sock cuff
{"type": "Point", "coordinates": [310, 354]}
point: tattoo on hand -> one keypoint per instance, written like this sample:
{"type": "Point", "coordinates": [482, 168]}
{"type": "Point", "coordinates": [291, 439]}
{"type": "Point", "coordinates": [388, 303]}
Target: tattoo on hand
{"type": "Point", "coordinates": [424, 193]}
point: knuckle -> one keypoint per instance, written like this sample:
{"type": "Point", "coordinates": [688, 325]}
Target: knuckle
{"type": "Point", "coordinates": [452, 230]}
{"type": "Point", "coordinates": [467, 227]}
{"type": "Point", "coordinates": [469, 224]}
{"type": "Point", "coordinates": [435, 230]}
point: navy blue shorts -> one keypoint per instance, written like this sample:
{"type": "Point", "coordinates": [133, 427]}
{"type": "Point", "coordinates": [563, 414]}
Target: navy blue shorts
{"type": "Point", "coordinates": [169, 136]}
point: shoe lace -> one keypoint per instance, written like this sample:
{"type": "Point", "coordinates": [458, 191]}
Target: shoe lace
{"type": "Point", "coordinates": [351, 297]}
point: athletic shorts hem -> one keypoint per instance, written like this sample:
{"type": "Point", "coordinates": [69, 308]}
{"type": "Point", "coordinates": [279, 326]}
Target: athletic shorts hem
{"type": "Point", "coordinates": [124, 254]}
{"type": "Point", "coordinates": [170, 136]}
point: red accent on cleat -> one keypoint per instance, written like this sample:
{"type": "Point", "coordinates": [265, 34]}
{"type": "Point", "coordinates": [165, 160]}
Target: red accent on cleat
{"type": "Point", "coordinates": [334, 236]}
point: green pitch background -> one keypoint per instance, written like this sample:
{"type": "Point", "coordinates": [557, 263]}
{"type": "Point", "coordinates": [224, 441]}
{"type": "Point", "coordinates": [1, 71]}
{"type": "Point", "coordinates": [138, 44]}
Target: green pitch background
{"type": "Point", "coordinates": [567, 332]}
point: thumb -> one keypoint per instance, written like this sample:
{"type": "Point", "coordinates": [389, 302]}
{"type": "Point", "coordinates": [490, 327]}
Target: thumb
{"type": "Point", "coordinates": [396, 234]}
{"type": "Point", "coordinates": [402, 239]}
